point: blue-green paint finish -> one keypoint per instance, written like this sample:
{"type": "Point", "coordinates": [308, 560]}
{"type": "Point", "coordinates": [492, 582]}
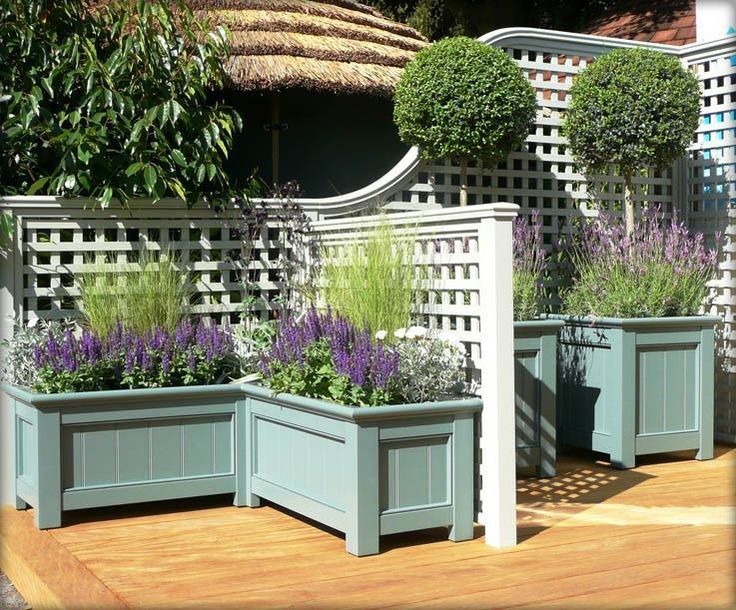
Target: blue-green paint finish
{"type": "Point", "coordinates": [104, 448]}
{"type": "Point", "coordinates": [630, 387]}
{"type": "Point", "coordinates": [364, 471]}
{"type": "Point", "coordinates": [535, 372]}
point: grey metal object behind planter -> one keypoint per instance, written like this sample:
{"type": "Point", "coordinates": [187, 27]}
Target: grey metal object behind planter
{"type": "Point", "coordinates": [535, 356]}
{"type": "Point", "coordinates": [363, 471]}
{"type": "Point", "coordinates": [91, 449]}
{"type": "Point", "coordinates": [630, 387]}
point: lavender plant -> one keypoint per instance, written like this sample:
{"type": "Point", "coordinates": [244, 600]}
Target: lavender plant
{"type": "Point", "coordinates": [530, 264]}
{"type": "Point", "coordinates": [322, 355]}
{"type": "Point", "coordinates": [193, 354]}
{"type": "Point", "coordinates": [661, 270]}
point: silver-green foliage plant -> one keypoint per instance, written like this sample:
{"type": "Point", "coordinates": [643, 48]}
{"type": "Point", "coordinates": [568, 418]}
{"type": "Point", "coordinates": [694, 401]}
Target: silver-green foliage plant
{"type": "Point", "coordinates": [430, 368]}
{"type": "Point", "coordinates": [19, 365]}
{"type": "Point", "coordinates": [371, 281]}
{"type": "Point", "coordinates": [112, 99]}
{"type": "Point", "coordinates": [151, 294]}
{"type": "Point", "coordinates": [462, 98]}
{"type": "Point", "coordinates": [633, 108]}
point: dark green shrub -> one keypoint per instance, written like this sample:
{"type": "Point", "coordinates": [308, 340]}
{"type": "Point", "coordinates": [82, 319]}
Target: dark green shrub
{"type": "Point", "coordinates": [633, 108]}
{"type": "Point", "coordinates": [111, 102]}
{"type": "Point", "coordinates": [464, 99]}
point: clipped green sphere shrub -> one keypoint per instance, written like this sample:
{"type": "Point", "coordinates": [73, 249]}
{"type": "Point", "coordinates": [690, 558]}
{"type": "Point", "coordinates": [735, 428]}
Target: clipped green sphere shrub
{"type": "Point", "coordinates": [634, 108]}
{"type": "Point", "coordinates": [462, 98]}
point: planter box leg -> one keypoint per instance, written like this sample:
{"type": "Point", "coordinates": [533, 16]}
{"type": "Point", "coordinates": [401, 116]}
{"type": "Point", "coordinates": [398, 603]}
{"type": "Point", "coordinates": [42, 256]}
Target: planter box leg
{"type": "Point", "coordinates": [362, 528]}
{"type": "Point", "coordinates": [462, 480]}
{"type": "Point", "coordinates": [244, 457]}
{"type": "Point", "coordinates": [48, 470]}
{"type": "Point", "coordinates": [707, 374]}
{"type": "Point", "coordinates": [20, 504]}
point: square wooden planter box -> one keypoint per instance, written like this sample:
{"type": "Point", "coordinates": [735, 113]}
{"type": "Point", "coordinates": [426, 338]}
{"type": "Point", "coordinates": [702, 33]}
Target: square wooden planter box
{"type": "Point", "coordinates": [364, 471]}
{"type": "Point", "coordinates": [631, 387]}
{"type": "Point", "coordinates": [92, 449]}
{"type": "Point", "coordinates": [535, 364]}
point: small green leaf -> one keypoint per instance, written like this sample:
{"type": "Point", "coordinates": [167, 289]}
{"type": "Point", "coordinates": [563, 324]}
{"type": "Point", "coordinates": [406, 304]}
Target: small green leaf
{"type": "Point", "coordinates": [150, 175]}
{"type": "Point", "coordinates": [200, 174]}
{"type": "Point", "coordinates": [178, 157]}
{"type": "Point", "coordinates": [134, 168]}
{"type": "Point", "coordinates": [37, 185]}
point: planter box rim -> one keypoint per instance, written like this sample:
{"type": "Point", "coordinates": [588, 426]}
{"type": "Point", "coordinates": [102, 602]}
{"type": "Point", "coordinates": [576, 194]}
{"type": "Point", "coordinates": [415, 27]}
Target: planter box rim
{"type": "Point", "coordinates": [638, 323]}
{"type": "Point", "coordinates": [539, 323]}
{"type": "Point", "coordinates": [82, 398]}
{"type": "Point", "coordinates": [362, 414]}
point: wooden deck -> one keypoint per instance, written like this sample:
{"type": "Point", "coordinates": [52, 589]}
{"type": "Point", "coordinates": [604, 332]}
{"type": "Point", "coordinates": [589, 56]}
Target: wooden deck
{"type": "Point", "coordinates": [662, 535]}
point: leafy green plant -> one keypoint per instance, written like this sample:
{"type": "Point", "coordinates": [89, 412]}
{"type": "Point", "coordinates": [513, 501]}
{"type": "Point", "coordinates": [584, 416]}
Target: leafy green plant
{"type": "Point", "coordinates": [151, 294]}
{"type": "Point", "coordinates": [462, 98]}
{"type": "Point", "coordinates": [113, 100]}
{"type": "Point", "coordinates": [371, 281]}
{"type": "Point", "coordinates": [633, 108]}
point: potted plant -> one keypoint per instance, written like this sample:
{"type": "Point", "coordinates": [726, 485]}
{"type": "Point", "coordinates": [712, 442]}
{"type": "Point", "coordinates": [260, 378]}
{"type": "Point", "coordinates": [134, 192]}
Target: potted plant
{"type": "Point", "coordinates": [535, 353]}
{"type": "Point", "coordinates": [359, 434]}
{"type": "Point", "coordinates": [133, 414]}
{"type": "Point", "coordinates": [462, 98]}
{"type": "Point", "coordinates": [636, 361]}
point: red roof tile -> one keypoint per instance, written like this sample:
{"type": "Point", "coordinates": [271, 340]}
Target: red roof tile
{"type": "Point", "coordinates": [663, 21]}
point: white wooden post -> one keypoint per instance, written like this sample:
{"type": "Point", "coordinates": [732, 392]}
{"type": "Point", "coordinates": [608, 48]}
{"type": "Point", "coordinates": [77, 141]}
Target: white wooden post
{"type": "Point", "coordinates": [498, 428]}
{"type": "Point", "coordinates": [7, 425]}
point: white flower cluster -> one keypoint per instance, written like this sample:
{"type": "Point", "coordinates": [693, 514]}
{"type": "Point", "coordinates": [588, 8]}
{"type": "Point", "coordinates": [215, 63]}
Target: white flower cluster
{"type": "Point", "coordinates": [430, 368]}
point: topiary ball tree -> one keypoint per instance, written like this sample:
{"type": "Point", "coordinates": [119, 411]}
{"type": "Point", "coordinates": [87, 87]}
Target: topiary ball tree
{"type": "Point", "coordinates": [461, 98]}
{"type": "Point", "coordinates": [634, 108]}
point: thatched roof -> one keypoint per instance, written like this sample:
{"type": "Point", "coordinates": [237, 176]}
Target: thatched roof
{"type": "Point", "coordinates": [333, 45]}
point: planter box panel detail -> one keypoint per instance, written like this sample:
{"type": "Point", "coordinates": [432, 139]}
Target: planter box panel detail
{"type": "Point", "coordinates": [364, 471]}
{"type": "Point", "coordinates": [535, 371]}
{"type": "Point", "coordinates": [634, 386]}
{"type": "Point", "coordinates": [667, 396]}
{"type": "Point", "coordinates": [146, 451]}
{"type": "Point", "coordinates": [93, 449]}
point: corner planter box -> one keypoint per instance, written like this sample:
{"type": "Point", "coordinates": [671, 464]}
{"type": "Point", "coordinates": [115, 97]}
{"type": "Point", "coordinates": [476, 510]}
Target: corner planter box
{"type": "Point", "coordinates": [535, 363]}
{"type": "Point", "coordinates": [633, 386]}
{"type": "Point", "coordinates": [91, 449]}
{"type": "Point", "coordinates": [364, 471]}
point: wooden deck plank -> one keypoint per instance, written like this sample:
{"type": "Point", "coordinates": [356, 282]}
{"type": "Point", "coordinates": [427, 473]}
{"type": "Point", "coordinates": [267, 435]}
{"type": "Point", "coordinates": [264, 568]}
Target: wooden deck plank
{"type": "Point", "coordinates": [664, 531]}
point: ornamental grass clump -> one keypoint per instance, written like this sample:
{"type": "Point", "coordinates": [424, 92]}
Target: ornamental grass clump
{"type": "Point", "coordinates": [323, 355]}
{"type": "Point", "coordinates": [193, 354]}
{"type": "Point", "coordinates": [661, 270]}
{"type": "Point", "coordinates": [143, 296]}
{"type": "Point", "coordinates": [530, 264]}
{"type": "Point", "coordinates": [371, 281]}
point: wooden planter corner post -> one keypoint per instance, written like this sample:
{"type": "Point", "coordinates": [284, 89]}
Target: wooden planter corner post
{"type": "Point", "coordinates": [498, 420]}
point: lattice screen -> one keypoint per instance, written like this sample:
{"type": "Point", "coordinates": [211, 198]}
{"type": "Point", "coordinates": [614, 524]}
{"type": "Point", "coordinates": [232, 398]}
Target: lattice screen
{"type": "Point", "coordinates": [711, 206]}
{"type": "Point", "coordinates": [58, 242]}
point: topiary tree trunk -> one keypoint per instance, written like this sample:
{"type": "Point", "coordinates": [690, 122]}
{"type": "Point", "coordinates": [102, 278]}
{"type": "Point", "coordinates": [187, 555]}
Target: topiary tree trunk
{"type": "Point", "coordinates": [628, 204]}
{"type": "Point", "coordinates": [463, 182]}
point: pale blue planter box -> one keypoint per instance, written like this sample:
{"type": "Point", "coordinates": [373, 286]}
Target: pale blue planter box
{"type": "Point", "coordinates": [91, 449]}
{"type": "Point", "coordinates": [364, 471]}
{"type": "Point", "coordinates": [535, 361]}
{"type": "Point", "coordinates": [631, 387]}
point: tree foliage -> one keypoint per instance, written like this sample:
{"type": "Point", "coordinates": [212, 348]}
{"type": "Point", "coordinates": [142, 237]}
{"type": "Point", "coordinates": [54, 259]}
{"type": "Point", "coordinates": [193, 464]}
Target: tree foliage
{"type": "Point", "coordinates": [634, 108]}
{"type": "Point", "coordinates": [461, 98]}
{"type": "Point", "coordinates": [113, 101]}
